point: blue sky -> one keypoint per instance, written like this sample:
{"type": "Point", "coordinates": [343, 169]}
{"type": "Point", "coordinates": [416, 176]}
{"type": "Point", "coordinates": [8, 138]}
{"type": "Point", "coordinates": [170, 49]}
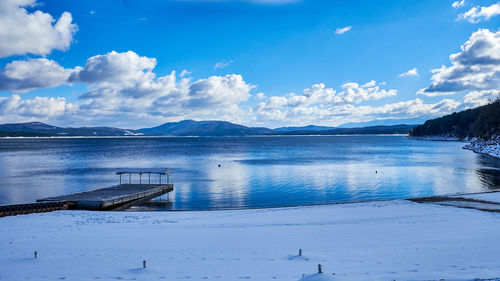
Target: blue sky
{"type": "Point", "coordinates": [260, 63]}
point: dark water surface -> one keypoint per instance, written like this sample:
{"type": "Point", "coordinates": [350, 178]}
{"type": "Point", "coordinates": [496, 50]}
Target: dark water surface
{"type": "Point", "coordinates": [254, 172]}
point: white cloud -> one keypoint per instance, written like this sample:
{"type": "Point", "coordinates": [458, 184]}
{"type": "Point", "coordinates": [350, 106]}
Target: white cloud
{"type": "Point", "coordinates": [123, 90]}
{"type": "Point", "coordinates": [478, 13]}
{"type": "Point", "coordinates": [458, 4]}
{"type": "Point", "coordinates": [478, 98]}
{"type": "Point", "coordinates": [411, 72]}
{"type": "Point", "coordinates": [342, 30]}
{"type": "Point", "coordinates": [123, 86]}
{"type": "Point", "coordinates": [184, 73]}
{"type": "Point", "coordinates": [38, 107]}
{"type": "Point", "coordinates": [318, 103]}
{"type": "Point", "coordinates": [223, 64]}
{"type": "Point", "coordinates": [347, 113]}
{"type": "Point", "coordinates": [476, 67]}
{"type": "Point", "coordinates": [26, 75]}
{"type": "Point", "coordinates": [38, 33]}
{"type": "Point", "coordinates": [218, 90]}
{"type": "Point", "coordinates": [319, 95]}
{"type": "Point", "coordinates": [260, 96]}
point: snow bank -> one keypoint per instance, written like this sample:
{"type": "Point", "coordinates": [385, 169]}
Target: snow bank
{"type": "Point", "coordinates": [490, 147]}
{"type": "Point", "coordinates": [396, 240]}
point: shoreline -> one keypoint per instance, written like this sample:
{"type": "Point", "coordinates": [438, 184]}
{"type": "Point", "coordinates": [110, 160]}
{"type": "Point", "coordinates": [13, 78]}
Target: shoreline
{"type": "Point", "coordinates": [383, 240]}
{"type": "Point", "coordinates": [450, 195]}
{"type": "Point", "coordinates": [489, 147]}
{"type": "Point", "coordinates": [249, 136]}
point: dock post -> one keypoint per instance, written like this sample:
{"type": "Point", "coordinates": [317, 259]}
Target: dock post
{"type": "Point", "coordinates": [120, 179]}
{"type": "Point", "coordinates": [144, 264]}
{"type": "Point", "coordinates": [36, 254]}
{"type": "Point", "coordinates": [160, 178]}
{"type": "Point", "coordinates": [168, 179]}
{"type": "Point", "coordinates": [130, 178]}
{"type": "Point", "coordinates": [149, 178]}
{"type": "Point", "coordinates": [140, 178]}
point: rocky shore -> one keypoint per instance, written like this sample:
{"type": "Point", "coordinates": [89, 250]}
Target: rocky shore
{"type": "Point", "coordinates": [490, 146]}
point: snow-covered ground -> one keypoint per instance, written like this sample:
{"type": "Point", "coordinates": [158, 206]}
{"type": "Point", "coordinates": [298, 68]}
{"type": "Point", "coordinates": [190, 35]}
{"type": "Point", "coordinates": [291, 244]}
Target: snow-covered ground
{"type": "Point", "coordinates": [391, 240]}
{"type": "Point", "coordinates": [490, 147]}
{"type": "Point", "coordinates": [490, 197]}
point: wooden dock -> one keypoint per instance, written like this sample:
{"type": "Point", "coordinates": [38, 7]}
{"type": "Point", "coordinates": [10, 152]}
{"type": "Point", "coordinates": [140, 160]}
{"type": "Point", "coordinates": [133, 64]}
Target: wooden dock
{"type": "Point", "coordinates": [21, 209]}
{"type": "Point", "coordinates": [112, 197]}
{"type": "Point", "coordinates": [118, 197]}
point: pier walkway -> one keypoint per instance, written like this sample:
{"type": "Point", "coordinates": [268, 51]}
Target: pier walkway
{"type": "Point", "coordinates": [112, 197]}
{"type": "Point", "coordinates": [135, 191]}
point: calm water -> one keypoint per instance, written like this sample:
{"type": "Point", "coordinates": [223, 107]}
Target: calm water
{"type": "Point", "coordinates": [254, 172]}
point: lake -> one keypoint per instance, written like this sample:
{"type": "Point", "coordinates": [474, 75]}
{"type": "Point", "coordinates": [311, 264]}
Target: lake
{"type": "Point", "coordinates": [254, 172]}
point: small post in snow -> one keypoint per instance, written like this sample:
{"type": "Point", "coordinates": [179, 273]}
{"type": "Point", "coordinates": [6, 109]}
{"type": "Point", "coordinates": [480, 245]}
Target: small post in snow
{"type": "Point", "coordinates": [36, 254]}
{"type": "Point", "coordinates": [300, 252]}
{"type": "Point", "coordinates": [319, 269]}
{"type": "Point", "coordinates": [144, 264]}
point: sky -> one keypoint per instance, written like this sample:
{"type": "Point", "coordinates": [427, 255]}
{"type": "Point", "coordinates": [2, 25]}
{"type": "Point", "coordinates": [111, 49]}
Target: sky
{"type": "Point", "coordinates": [135, 64]}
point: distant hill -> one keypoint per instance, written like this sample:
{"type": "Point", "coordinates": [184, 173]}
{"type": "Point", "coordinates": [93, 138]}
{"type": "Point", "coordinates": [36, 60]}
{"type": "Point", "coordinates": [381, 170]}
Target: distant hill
{"type": "Point", "coordinates": [203, 128]}
{"type": "Point", "coordinates": [305, 128]}
{"type": "Point", "coordinates": [395, 129]}
{"type": "Point", "coordinates": [483, 122]}
{"type": "Point", "coordinates": [384, 122]}
{"type": "Point", "coordinates": [191, 128]}
{"type": "Point", "coordinates": [27, 129]}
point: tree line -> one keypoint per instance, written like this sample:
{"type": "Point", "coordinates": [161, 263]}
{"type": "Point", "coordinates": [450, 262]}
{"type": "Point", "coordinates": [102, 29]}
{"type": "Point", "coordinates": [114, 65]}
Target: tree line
{"type": "Point", "coordinates": [482, 122]}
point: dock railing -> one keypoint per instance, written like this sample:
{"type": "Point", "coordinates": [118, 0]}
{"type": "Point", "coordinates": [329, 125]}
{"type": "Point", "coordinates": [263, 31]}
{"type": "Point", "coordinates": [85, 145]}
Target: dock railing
{"type": "Point", "coordinates": [133, 171]}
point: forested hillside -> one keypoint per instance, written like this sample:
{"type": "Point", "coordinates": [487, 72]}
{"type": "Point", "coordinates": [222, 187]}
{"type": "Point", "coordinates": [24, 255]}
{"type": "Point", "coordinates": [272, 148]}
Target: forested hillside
{"type": "Point", "coordinates": [482, 122]}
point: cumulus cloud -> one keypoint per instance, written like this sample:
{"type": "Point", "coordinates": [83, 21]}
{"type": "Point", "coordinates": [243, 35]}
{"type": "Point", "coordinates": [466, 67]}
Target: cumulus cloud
{"type": "Point", "coordinates": [476, 67]}
{"type": "Point", "coordinates": [321, 96]}
{"type": "Point", "coordinates": [39, 107]}
{"type": "Point", "coordinates": [184, 73]}
{"type": "Point", "coordinates": [223, 64]}
{"type": "Point", "coordinates": [342, 30]}
{"type": "Point", "coordinates": [124, 86]}
{"type": "Point", "coordinates": [26, 75]}
{"type": "Point", "coordinates": [340, 114]}
{"type": "Point", "coordinates": [123, 90]}
{"type": "Point", "coordinates": [479, 98]}
{"type": "Point", "coordinates": [218, 90]}
{"type": "Point", "coordinates": [38, 33]}
{"type": "Point", "coordinates": [319, 102]}
{"type": "Point", "coordinates": [458, 4]}
{"type": "Point", "coordinates": [411, 72]}
{"type": "Point", "coordinates": [478, 13]}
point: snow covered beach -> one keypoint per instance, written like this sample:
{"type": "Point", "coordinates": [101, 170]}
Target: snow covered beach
{"type": "Point", "coordinates": [389, 240]}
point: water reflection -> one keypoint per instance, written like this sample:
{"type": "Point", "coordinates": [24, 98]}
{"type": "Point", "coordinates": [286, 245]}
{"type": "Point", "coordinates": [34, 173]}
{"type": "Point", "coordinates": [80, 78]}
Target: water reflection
{"type": "Point", "coordinates": [253, 172]}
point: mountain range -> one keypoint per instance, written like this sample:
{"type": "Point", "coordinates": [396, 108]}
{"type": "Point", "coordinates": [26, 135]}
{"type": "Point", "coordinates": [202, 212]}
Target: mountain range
{"type": "Point", "coordinates": [190, 128]}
